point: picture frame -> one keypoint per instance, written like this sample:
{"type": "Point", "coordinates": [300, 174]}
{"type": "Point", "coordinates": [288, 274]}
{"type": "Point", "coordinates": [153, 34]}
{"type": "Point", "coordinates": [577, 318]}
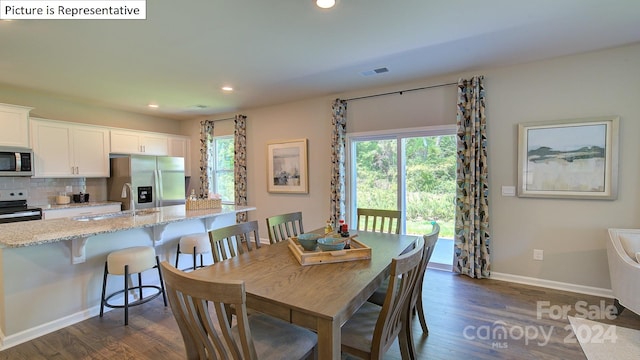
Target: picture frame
{"type": "Point", "coordinates": [570, 159]}
{"type": "Point", "coordinates": [287, 170]}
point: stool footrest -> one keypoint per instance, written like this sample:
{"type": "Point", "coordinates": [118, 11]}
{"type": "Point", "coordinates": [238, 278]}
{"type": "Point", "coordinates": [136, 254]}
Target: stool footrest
{"type": "Point", "coordinates": [137, 302]}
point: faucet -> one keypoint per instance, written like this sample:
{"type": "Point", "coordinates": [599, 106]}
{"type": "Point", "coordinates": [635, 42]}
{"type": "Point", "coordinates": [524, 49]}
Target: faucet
{"type": "Point", "coordinates": [132, 203]}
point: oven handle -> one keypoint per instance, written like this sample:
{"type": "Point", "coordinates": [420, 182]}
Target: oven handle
{"type": "Point", "coordinates": [20, 214]}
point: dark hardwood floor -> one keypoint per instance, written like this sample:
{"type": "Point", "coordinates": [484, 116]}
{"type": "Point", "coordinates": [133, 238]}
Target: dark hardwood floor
{"type": "Point", "coordinates": [463, 315]}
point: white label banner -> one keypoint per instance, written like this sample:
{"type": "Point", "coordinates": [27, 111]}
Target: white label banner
{"type": "Point", "coordinates": [73, 10]}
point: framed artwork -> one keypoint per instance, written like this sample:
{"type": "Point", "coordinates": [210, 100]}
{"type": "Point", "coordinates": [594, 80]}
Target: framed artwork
{"type": "Point", "coordinates": [575, 159]}
{"type": "Point", "coordinates": [287, 167]}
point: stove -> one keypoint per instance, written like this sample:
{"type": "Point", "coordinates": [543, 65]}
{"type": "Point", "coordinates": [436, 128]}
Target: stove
{"type": "Point", "coordinates": [13, 207]}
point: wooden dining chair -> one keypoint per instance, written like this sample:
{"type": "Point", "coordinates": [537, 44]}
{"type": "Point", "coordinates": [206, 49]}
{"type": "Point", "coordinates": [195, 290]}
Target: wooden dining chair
{"type": "Point", "coordinates": [282, 227]}
{"type": "Point", "coordinates": [378, 296]}
{"type": "Point", "coordinates": [199, 304]}
{"type": "Point", "coordinates": [370, 332]}
{"type": "Point", "coordinates": [384, 221]}
{"type": "Point", "coordinates": [232, 240]}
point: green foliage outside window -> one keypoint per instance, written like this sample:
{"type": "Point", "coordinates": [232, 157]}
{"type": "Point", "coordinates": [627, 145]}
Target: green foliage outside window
{"type": "Point", "coordinates": [430, 170]}
{"type": "Point", "coordinates": [223, 168]}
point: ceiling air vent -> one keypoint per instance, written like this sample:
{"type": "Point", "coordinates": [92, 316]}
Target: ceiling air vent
{"type": "Point", "coordinates": [381, 70]}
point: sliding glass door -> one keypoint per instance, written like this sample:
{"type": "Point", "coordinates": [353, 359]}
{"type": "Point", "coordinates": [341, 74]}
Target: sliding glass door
{"type": "Point", "coordinates": [412, 171]}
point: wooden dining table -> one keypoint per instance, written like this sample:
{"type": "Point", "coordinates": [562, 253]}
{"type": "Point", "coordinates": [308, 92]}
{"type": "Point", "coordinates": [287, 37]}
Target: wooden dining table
{"type": "Point", "coordinates": [321, 297]}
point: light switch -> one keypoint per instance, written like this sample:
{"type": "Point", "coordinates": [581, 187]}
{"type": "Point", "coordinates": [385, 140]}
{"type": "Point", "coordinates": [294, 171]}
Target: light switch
{"type": "Point", "coordinates": [508, 191]}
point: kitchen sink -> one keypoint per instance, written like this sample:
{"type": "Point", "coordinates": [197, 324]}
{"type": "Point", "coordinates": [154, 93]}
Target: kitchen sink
{"type": "Point", "coordinates": [120, 214]}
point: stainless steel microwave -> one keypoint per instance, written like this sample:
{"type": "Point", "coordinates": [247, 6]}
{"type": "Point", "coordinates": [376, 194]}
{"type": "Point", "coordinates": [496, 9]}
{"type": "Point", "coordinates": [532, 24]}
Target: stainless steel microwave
{"type": "Point", "coordinates": [16, 161]}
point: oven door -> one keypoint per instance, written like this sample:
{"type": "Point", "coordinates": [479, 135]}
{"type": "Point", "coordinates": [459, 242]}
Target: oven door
{"type": "Point", "coordinates": [21, 215]}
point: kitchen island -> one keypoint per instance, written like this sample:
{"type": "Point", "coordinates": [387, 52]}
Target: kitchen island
{"type": "Point", "coordinates": [51, 270]}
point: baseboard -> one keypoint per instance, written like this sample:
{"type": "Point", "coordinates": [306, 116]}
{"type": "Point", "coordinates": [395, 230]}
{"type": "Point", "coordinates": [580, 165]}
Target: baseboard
{"type": "Point", "coordinates": [35, 332]}
{"type": "Point", "coordinates": [580, 289]}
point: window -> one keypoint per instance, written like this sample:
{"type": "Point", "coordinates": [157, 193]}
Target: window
{"type": "Point", "coordinates": [222, 168]}
{"type": "Point", "coordinates": [410, 170]}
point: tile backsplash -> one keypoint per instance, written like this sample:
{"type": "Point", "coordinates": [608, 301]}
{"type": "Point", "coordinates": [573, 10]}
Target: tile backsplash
{"type": "Point", "coordinates": [44, 191]}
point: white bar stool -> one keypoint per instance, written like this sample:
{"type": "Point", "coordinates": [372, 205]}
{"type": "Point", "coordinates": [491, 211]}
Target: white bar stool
{"type": "Point", "coordinates": [126, 262]}
{"type": "Point", "coordinates": [195, 244]}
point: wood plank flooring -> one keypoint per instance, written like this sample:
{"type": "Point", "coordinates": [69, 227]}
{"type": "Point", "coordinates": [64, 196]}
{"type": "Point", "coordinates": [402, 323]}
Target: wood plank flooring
{"type": "Point", "coordinates": [463, 315]}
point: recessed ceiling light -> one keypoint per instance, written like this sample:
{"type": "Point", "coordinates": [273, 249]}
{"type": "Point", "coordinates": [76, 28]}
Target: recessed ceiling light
{"type": "Point", "coordinates": [153, 106]}
{"type": "Point", "coordinates": [325, 4]}
{"type": "Point", "coordinates": [227, 88]}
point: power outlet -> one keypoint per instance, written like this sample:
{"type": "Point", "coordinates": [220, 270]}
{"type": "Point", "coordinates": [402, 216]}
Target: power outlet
{"type": "Point", "coordinates": [538, 254]}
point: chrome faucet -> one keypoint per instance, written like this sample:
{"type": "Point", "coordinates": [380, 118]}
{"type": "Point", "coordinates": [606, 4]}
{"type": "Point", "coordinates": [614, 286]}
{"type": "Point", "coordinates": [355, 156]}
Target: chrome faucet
{"type": "Point", "coordinates": [132, 203]}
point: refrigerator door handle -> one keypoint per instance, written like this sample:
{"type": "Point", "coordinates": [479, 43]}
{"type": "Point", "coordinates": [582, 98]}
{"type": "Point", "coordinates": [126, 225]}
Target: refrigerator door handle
{"type": "Point", "coordinates": [159, 187]}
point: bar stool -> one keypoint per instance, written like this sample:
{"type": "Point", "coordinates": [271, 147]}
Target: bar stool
{"type": "Point", "coordinates": [195, 244]}
{"type": "Point", "coordinates": [126, 262]}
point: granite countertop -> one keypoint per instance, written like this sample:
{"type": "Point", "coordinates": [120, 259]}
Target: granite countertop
{"type": "Point", "coordinates": [77, 205]}
{"type": "Point", "coordinates": [37, 232]}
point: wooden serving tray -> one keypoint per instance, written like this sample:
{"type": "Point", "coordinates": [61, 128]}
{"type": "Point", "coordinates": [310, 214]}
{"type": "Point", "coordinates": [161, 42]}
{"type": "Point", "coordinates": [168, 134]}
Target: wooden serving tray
{"type": "Point", "coordinates": [358, 251]}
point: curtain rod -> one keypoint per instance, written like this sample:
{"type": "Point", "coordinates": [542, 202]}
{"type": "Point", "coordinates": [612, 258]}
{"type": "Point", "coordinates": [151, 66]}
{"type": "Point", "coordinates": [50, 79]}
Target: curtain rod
{"type": "Point", "coordinates": [400, 91]}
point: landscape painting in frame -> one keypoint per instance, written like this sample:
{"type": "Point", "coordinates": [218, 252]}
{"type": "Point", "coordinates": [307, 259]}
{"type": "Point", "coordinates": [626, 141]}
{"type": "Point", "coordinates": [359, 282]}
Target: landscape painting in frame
{"type": "Point", "coordinates": [287, 167]}
{"type": "Point", "coordinates": [569, 159]}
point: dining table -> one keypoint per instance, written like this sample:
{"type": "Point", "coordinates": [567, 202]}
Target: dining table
{"type": "Point", "coordinates": [321, 297]}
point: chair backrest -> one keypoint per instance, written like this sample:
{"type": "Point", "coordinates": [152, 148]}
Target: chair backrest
{"type": "Point", "coordinates": [430, 240]}
{"type": "Point", "coordinates": [405, 271]}
{"type": "Point", "coordinates": [282, 227]}
{"type": "Point", "coordinates": [384, 221]}
{"type": "Point", "coordinates": [192, 301]}
{"type": "Point", "coordinates": [230, 241]}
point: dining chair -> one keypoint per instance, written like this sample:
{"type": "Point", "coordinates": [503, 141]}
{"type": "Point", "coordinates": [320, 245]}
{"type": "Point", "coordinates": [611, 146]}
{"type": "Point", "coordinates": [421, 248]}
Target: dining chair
{"type": "Point", "coordinates": [370, 332]}
{"type": "Point", "coordinates": [282, 227]}
{"type": "Point", "coordinates": [232, 240]}
{"type": "Point", "coordinates": [198, 306]}
{"type": "Point", "coordinates": [384, 221]}
{"type": "Point", "coordinates": [378, 296]}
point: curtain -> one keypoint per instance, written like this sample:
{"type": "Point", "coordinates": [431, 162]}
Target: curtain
{"type": "Point", "coordinates": [240, 165]}
{"type": "Point", "coordinates": [206, 144]}
{"type": "Point", "coordinates": [471, 253]}
{"type": "Point", "coordinates": [338, 144]}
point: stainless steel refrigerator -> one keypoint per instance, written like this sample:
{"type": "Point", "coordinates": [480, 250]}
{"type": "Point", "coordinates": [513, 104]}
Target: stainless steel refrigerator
{"type": "Point", "coordinates": [150, 181]}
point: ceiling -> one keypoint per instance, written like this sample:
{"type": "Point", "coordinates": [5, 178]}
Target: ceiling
{"type": "Point", "coordinates": [277, 51]}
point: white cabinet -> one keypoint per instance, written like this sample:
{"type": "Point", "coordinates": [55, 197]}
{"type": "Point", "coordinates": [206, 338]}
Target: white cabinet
{"type": "Point", "coordinates": [181, 146]}
{"type": "Point", "coordinates": [64, 149]}
{"type": "Point", "coordinates": [14, 122]}
{"type": "Point", "coordinates": [48, 214]}
{"type": "Point", "coordinates": [138, 142]}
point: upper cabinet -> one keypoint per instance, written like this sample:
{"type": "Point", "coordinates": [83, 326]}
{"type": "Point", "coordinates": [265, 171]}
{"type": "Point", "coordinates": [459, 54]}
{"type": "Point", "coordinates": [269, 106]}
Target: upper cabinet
{"type": "Point", "coordinates": [14, 122]}
{"type": "Point", "coordinates": [181, 146]}
{"type": "Point", "coordinates": [63, 149]}
{"type": "Point", "coordinates": [138, 142]}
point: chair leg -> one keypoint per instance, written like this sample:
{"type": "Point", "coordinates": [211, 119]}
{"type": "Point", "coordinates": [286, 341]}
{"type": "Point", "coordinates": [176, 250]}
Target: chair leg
{"type": "Point", "coordinates": [126, 295]}
{"type": "Point", "coordinates": [104, 289]}
{"type": "Point", "coordinates": [177, 255]}
{"type": "Point", "coordinates": [423, 321]}
{"type": "Point", "coordinates": [194, 258]}
{"type": "Point", "coordinates": [164, 294]}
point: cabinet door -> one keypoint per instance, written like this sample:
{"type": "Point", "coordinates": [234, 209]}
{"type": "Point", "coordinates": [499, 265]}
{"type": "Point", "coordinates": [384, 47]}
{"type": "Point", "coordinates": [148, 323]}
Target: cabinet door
{"type": "Point", "coordinates": [14, 122]}
{"type": "Point", "coordinates": [181, 146]}
{"type": "Point", "coordinates": [51, 149]}
{"type": "Point", "coordinates": [154, 144]}
{"type": "Point", "coordinates": [125, 142]}
{"type": "Point", "coordinates": [90, 151]}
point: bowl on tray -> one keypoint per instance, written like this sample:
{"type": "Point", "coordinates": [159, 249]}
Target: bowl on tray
{"type": "Point", "coordinates": [331, 244]}
{"type": "Point", "coordinates": [309, 241]}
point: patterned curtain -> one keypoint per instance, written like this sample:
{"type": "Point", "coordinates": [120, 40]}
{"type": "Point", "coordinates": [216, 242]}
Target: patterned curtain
{"type": "Point", "coordinates": [471, 255]}
{"type": "Point", "coordinates": [206, 144]}
{"type": "Point", "coordinates": [338, 144]}
{"type": "Point", "coordinates": [240, 165]}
